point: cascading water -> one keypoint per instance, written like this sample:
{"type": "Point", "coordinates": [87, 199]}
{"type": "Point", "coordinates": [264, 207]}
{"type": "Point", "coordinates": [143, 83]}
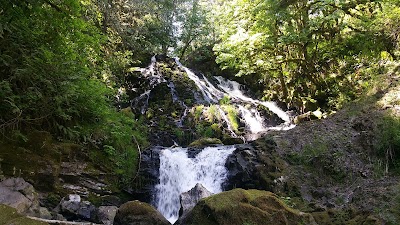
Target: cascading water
{"type": "Point", "coordinates": [179, 173]}
{"type": "Point", "coordinates": [209, 94]}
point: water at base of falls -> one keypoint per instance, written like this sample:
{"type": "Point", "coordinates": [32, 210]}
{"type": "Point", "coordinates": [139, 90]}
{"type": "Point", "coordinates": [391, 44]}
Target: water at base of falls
{"type": "Point", "coordinates": [179, 173]}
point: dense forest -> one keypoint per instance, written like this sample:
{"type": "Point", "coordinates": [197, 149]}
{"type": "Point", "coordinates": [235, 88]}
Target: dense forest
{"type": "Point", "coordinates": [63, 62]}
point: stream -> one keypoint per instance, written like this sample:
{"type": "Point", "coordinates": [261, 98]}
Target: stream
{"type": "Point", "coordinates": [180, 170]}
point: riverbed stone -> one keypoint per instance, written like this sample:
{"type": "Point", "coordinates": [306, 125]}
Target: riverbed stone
{"type": "Point", "coordinates": [190, 198]}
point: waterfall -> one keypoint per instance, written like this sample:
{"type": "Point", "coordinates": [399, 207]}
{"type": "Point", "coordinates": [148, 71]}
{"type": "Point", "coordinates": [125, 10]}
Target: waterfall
{"type": "Point", "coordinates": [210, 92]}
{"type": "Point", "coordinates": [179, 173]}
{"type": "Point", "coordinates": [253, 119]}
{"type": "Point", "coordinates": [233, 89]}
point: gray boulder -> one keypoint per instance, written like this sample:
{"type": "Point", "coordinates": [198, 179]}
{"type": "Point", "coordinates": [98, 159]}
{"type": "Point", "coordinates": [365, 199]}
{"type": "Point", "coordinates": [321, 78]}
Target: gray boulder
{"type": "Point", "coordinates": [190, 198]}
{"type": "Point", "coordinates": [106, 214]}
{"type": "Point", "coordinates": [73, 208]}
{"type": "Point", "coordinates": [19, 194]}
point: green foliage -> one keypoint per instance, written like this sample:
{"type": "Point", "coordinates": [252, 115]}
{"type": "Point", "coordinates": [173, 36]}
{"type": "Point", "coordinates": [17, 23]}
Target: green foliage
{"type": "Point", "coordinates": [48, 61]}
{"type": "Point", "coordinates": [232, 116]}
{"type": "Point", "coordinates": [308, 54]}
{"type": "Point", "coordinates": [388, 143]}
{"type": "Point", "coordinates": [225, 100]}
{"type": "Point", "coordinates": [196, 31]}
{"type": "Point", "coordinates": [142, 26]}
{"type": "Point", "coordinates": [58, 73]}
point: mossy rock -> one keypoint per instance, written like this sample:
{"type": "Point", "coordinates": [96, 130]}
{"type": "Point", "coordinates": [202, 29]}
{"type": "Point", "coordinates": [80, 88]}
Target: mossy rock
{"type": "Point", "coordinates": [9, 216]}
{"type": "Point", "coordinates": [138, 213]}
{"type": "Point", "coordinates": [205, 142]}
{"type": "Point", "coordinates": [232, 141]}
{"type": "Point", "coordinates": [239, 206]}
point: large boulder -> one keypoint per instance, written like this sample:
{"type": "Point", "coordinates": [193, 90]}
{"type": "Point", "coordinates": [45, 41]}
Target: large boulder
{"type": "Point", "coordinates": [190, 198]}
{"type": "Point", "coordinates": [14, 199]}
{"type": "Point", "coordinates": [238, 206]}
{"type": "Point", "coordinates": [21, 195]}
{"type": "Point", "coordinates": [138, 213]}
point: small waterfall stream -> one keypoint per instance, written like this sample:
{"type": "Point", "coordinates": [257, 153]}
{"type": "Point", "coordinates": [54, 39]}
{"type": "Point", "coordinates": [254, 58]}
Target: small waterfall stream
{"type": "Point", "coordinates": [210, 93]}
{"type": "Point", "coordinates": [179, 173]}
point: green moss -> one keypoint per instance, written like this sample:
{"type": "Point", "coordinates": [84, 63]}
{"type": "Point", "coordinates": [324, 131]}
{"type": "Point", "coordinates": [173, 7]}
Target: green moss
{"type": "Point", "coordinates": [240, 206]}
{"type": "Point", "coordinates": [232, 115]}
{"type": "Point", "coordinates": [9, 216]}
{"type": "Point", "coordinates": [225, 100]}
{"type": "Point", "coordinates": [204, 142]}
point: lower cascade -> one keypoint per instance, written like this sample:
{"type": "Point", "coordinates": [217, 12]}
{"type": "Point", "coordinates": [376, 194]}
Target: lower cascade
{"type": "Point", "coordinates": [179, 173]}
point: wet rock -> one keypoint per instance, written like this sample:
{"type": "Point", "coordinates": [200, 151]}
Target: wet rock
{"type": "Point", "coordinates": [240, 206]}
{"type": "Point", "coordinates": [106, 214]}
{"type": "Point", "coordinates": [138, 213]}
{"type": "Point", "coordinates": [232, 141]}
{"type": "Point", "coordinates": [73, 208]}
{"type": "Point", "coordinates": [241, 165]}
{"type": "Point", "coordinates": [190, 198]}
{"type": "Point", "coordinates": [143, 188]}
{"type": "Point", "coordinates": [193, 152]}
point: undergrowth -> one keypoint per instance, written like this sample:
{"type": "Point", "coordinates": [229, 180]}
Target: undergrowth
{"type": "Point", "coordinates": [388, 143]}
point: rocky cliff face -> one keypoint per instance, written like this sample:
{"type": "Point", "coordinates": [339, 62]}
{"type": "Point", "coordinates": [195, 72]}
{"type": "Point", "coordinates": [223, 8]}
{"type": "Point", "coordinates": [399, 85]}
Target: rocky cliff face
{"type": "Point", "coordinates": [333, 165]}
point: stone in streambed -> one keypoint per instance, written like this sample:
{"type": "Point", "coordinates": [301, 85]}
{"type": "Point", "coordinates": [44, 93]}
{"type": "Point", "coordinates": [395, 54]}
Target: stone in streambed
{"type": "Point", "coordinates": [190, 198]}
{"type": "Point", "coordinates": [139, 213]}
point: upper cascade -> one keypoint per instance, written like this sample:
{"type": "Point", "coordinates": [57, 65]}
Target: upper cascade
{"type": "Point", "coordinates": [166, 86]}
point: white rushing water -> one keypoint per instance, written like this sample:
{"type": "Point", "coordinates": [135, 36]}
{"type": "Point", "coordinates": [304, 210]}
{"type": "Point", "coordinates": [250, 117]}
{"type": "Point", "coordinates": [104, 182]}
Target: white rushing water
{"type": "Point", "coordinates": [210, 92]}
{"type": "Point", "coordinates": [250, 116]}
{"type": "Point", "coordinates": [179, 173]}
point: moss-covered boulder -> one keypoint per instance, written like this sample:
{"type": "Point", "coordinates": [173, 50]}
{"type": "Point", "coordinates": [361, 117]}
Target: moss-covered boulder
{"type": "Point", "coordinates": [10, 216]}
{"type": "Point", "coordinates": [239, 206]}
{"type": "Point", "coordinates": [138, 213]}
{"type": "Point", "coordinates": [205, 142]}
